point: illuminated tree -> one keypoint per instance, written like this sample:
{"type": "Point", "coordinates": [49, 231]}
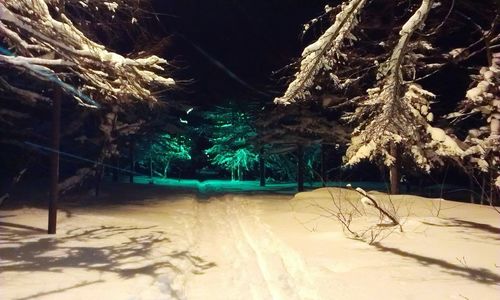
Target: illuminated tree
{"type": "Point", "coordinates": [230, 134]}
{"type": "Point", "coordinates": [159, 152]}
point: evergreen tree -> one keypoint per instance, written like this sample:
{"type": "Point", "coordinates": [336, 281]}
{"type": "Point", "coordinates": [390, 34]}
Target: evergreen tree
{"type": "Point", "coordinates": [483, 141]}
{"type": "Point", "coordinates": [161, 151]}
{"type": "Point", "coordinates": [373, 58]}
{"type": "Point", "coordinates": [231, 132]}
{"type": "Point", "coordinates": [289, 135]}
{"type": "Point", "coordinates": [46, 46]}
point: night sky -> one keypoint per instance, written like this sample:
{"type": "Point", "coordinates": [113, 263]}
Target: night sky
{"type": "Point", "coordinates": [250, 38]}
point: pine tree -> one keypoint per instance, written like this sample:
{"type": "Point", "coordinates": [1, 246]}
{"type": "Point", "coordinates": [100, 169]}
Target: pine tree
{"type": "Point", "coordinates": [375, 78]}
{"type": "Point", "coordinates": [163, 150]}
{"type": "Point", "coordinates": [290, 133]}
{"type": "Point", "coordinates": [230, 134]}
{"type": "Point", "coordinates": [45, 45]}
{"type": "Point", "coordinates": [483, 99]}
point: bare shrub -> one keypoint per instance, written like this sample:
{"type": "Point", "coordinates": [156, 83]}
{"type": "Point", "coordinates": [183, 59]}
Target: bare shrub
{"type": "Point", "coordinates": [382, 216]}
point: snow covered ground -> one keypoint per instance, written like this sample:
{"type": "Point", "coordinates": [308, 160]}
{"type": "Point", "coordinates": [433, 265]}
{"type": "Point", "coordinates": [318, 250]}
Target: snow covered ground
{"type": "Point", "coordinates": [145, 242]}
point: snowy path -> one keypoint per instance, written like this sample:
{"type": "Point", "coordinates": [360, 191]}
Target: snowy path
{"type": "Point", "coordinates": [173, 245]}
{"type": "Point", "coordinates": [252, 262]}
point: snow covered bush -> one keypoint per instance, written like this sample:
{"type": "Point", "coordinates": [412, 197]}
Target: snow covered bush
{"type": "Point", "coordinates": [362, 215]}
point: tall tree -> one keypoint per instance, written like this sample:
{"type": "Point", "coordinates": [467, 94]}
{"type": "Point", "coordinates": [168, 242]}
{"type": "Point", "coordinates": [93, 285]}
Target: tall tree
{"type": "Point", "coordinates": [231, 132]}
{"type": "Point", "coordinates": [163, 150]}
{"type": "Point", "coordinates": [376, 66]}
{"type": "Point", "coordinates": [483, 100]}
{"type": "Point", "coordinates": [46, 44]}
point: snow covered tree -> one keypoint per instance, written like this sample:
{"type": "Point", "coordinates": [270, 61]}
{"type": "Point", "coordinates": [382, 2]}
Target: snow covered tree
{"type": "Point", "coordinates": [324, 54]}
{"type": "Point", "coordinates": [52, 51]}
{"type": "Point", "coordinates": [230, 134]}
{"type": "Point", "coordinates": [394, 117]}
{"type": "Point", "coordinates": [44, 44]}
{"type": "Point", "coordinates": [361, 61]}
{"type": "Point", "coordinates": [483, 99]}
{"type": "Point", "coordinates": [49, 45]}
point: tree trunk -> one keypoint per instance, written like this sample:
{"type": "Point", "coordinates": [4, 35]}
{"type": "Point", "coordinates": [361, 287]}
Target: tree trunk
{"type": "Point", "coordinates": [382, 170]}
{"type": "Point", "coordinates": [132, 160]}
{"type": "Point", "coordinates": [394, 170]}
{"type": "Point", "coordinates": [150, 168]}
{"type": "Point", "coordinates": [165, 170]}
{"type": "Point", "coordinates": [240, 175]}
{"type": "Point", "coordinates": [323, 167]}
{"type": "Point", "coordinates": [98, 177]}
{"type": "Point", "coordinates": [262, 168]}
{"type": "Point", "coordinates": [471, 186]}
{"type": "Point", "coordinates": [150, 161]}
{"type": "Point", "coordinates": [116, 169]}
{"type": "Point", "coordinates": [54, 160]}
{"type": "Point", "coordinates": [483, 188]}
{"type": "Point", "coordinates": [300, 168]}
{"type": "Point", "coordinates": [493, 193]}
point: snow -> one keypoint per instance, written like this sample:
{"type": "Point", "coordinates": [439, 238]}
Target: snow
{"type": "Point", "coordinates": [114, 77]}
{"type": "Point", "coordinates": [417, 18]}
{"type": "Point", "coordinates": [321, 54]}
{"type": "Point", "coordinates": [147, 242]}
{"type": "Point", "coordinates": [112, 6]}
{"type": "Point", "coordinates": [447, 146]}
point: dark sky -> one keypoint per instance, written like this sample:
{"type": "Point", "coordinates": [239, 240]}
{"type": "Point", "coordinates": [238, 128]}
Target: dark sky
{"type": "Point", "coordinates": [250, 38]}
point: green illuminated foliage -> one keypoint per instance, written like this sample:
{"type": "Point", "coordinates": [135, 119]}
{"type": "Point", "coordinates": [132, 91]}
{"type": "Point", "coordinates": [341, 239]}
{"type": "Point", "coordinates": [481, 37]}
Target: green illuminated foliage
{"type": "Point", "coordinates": [230, 135]}
{"type": "Point", "coordinates": [163, 150]}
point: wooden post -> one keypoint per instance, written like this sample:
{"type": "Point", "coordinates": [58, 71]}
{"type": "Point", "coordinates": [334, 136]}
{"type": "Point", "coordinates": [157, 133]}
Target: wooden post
{"type": "Point", "coordinates": [132, 160]}
{"type": "Point", "coordinates": [300, 168]}
{"type": "Point", "coordinates": [262, 167]}
{"type": "Point", "coordinates": [394, 170]}
{"type": "Point", "coordinates": [54, 160]}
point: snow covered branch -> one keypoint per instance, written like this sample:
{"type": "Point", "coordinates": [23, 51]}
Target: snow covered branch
{"type": "Point", "coordinates": [398, 113]}
{"type": "Point", "coordinates": [324, 53]}
{"type": "Point", "coordinates": [484, 99]}
{"type": "Point", "coordinates": [46, 42]}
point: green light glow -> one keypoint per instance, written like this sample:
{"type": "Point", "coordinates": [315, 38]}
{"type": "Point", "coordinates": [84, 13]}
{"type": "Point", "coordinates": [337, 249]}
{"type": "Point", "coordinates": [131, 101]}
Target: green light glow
{"type": "Point", "coordinates": [230, 135]}
{"type": "Point", "coordinates": [164, 150]}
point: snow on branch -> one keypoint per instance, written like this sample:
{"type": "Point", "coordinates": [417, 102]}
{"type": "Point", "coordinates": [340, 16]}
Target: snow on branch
{"type": "Point", "coordinates": [322, 54]}
{"type": "Point", "coordinates": [398, 113]}
{"type": "Point", "coordinates": [42, 37]}
{"type": "Point", "coordinates": [483, 99]}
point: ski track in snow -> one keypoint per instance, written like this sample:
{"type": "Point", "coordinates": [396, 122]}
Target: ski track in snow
{"type": "Point", "coordinates": [254, 263]}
